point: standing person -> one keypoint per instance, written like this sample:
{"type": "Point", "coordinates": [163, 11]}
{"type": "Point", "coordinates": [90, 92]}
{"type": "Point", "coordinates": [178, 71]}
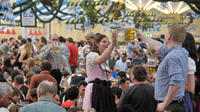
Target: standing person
{"type": "Point", "coordinates": [98, 94]}
{"type": "Point", "coordinates": [25, 53]}
{"type": "Point", "coordinates": [140, 96]}
{"type": "Point", "coordinates": [46, 92]}
{"type": "Point", "coordinates": [50, 53]}
{"type": "Point", "coordinates": [73, 58]}
{"type": "Point", "coordinates": [5, 96]}
{"type": "Point", "coordinates": [5, 47]}
{"type": "Point", "coordinates": [89, 40]}
{"type": "Point", "coordinates": [172, 71]}
{"type": "Point", "coordinates": [130, 48]}
{"type": "Point", "coordinates": [63, 47]}
{"type": "Point", "coordinates": [189, 45]}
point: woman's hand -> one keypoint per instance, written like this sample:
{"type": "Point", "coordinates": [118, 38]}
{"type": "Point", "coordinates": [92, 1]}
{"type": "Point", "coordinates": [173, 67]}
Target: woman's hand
{"type": "Point", "coordinates": [139, 34]}
{"type": "Point", "coordinates": [114, 37]}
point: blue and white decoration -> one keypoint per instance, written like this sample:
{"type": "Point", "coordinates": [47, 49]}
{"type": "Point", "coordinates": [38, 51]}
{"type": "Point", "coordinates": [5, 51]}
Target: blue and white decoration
{"type": "Point", "coordinates": [7, 10]}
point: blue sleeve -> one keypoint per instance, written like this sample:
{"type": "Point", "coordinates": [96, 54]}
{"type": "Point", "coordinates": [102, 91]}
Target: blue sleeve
{"type": "Point", "coordinates": [162, 50]}
{"type": "Point", "coordinates": [175, 72]}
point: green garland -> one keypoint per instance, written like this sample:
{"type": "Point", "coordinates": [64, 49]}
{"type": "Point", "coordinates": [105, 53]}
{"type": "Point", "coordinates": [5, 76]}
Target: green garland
{"type": "Point", "coordinates": [93, 15]}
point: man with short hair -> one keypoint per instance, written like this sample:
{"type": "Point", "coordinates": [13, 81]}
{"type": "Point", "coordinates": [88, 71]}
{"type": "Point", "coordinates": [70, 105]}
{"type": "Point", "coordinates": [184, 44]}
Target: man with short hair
{"type": "Point", "coordinates": [136, 58]}
{"type": "Point", "coordinates": [81, 88]}
{"type": "Point", "coordinates": [19, 83]}
{"type": "Point", "coordinates": [5, 96]}
{"type": "Point", "coordinates": [124, 83]}
{"type": "Point", "coordinates": [46, 92]}
{"type": "Point", "coordinates": [140, 96]}
{"type": "Point", "coordinates": [172, 71]}
{"type": "Point", "coordinates": [44, 75]}
{"type": "Point", "coordinates": [121, 64]}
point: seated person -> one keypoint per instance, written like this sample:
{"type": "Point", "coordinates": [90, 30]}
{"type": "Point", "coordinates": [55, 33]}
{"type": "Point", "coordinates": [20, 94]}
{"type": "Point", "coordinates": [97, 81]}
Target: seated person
{"type": "Point", "coordinates": [71, 96]}
{"type": "Point", "coordinates": [124, 83]}
{"type": "Point", "coordinates": [117, 93]}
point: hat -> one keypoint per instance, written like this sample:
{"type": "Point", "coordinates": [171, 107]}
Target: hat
{"type": "Point", "coordinates": [90, 34]}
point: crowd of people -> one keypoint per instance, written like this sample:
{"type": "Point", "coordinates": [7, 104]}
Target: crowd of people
{"type": "Point", "coordinates": [96, 75]}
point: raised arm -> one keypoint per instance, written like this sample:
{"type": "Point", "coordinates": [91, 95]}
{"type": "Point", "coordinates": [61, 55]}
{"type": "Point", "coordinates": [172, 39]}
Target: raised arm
{"type": "Point", "coordinates": [107, 53]}
{"type": "Point", "coordinates": [45, 51]}
{"type": "Point", "coordinates": [151, 42]}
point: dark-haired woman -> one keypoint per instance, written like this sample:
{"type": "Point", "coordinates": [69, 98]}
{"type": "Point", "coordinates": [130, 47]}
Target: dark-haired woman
{"type": "Point", "coordinates": [98, 94]}
{"type": "Point", "coordinates": [189, 45]}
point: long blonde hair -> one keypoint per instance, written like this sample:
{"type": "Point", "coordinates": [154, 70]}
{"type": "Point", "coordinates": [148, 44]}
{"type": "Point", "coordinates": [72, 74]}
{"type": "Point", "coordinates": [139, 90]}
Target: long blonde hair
{"type": "Point", "coordinates": [31, 62]}
{"type": "Point", "coordinates": [28, 48]}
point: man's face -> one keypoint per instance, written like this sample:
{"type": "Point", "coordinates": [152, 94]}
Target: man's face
{"type": "Point", "coordinates": [126, 84]}
{"type": "Point", "coordinates": [89, 40]}
{"type": "Point", "coordinates": [123, 58]}
{"type": "Point", "coordinates": [57, 100]}
{"type": "Point", "coordinates": [82, 90]}
{"type": "Point", "coordinates": [54, 38]}
{"type": "Point", "coordinates": [16, 98]}
{"type": "Point", "coordinates": [133, 54]}
{"type": "Point", "coordinates": [5, 101]}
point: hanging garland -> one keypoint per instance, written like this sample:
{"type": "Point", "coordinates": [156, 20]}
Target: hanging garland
{"type": "Point", "coordinates": [89, 13]}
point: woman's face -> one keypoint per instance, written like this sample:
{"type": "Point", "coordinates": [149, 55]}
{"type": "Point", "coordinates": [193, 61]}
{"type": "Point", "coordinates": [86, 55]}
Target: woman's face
{"type": "Point", "coordinates": [103, 44]}
{"type": "Point", "coordinates": [149, 77]}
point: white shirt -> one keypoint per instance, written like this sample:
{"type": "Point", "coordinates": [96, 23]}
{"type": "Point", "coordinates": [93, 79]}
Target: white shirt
{"type": "Point", "coordinates": [122, 66]}
{"type": "Point", "coordinates": [191, 66]}
{"type": "Point", "coordinates": [2, 109]}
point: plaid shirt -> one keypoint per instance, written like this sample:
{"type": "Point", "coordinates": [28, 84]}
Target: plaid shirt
{"type": "Point", "coordinates": [54, 57]}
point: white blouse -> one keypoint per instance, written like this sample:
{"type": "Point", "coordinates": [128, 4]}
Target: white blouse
{"type": "Point", "coordinates": [191, 66]}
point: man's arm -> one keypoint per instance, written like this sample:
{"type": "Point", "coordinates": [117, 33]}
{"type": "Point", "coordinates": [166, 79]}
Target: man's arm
{"type": "Point", "coordinates": [151, 42]}
{"type": "Point", "coordinates": [44, 52]}
{"type": "Point", "coordinates": [172, 92]}
{"type": "Point", "coordinates": [123, 99]}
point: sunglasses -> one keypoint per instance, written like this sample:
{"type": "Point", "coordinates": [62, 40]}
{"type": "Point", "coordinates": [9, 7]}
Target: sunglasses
{"type": "Point", "coordinates": [55, 39]}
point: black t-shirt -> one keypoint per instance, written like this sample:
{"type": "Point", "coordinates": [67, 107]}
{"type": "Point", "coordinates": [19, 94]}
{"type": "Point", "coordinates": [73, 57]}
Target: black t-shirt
{"type": "Point", "coordinates": [140, 97]}
{"type": "Point", "coordinates": [24, 90]}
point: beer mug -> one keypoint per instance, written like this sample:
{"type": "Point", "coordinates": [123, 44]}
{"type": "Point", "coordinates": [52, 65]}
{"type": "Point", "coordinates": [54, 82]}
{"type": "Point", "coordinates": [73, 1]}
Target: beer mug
{"type": "Point", "coordinates": [120, 38]}
{"type": "Point", "coordinates": [128, 63]}
{"type": "Point", "coordinates": [151, 69]}
{"type": "Point", "coordinates": [129, 34]}
{"type": "Point", "coordinates": [151, 64]}
{"type": "Point", "coordinates": [56, 47]}
{"type": "Point", "coordinates": [125, 35]}
{"type": "Point", "coordinates": [117, 70]}
{"type": "Point", "coordinates": [37, 61]}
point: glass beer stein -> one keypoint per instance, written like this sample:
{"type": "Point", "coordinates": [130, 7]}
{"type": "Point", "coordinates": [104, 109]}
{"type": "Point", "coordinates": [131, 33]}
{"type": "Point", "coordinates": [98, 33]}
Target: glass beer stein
{"type": "Point", "coordinates": [152, 64]}
{"type": "Point", "coordinates": [125, 35]}
{"type": "Point", "coordinates": [56, 47]}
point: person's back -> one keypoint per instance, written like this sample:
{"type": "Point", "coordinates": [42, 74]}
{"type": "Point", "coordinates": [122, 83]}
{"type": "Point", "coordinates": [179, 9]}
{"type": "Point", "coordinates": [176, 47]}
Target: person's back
{"type": "Point", "coordinates": [73, 59]}
{"type": "Point", "coordinates": [38, 78]}
{"type": "Point", "coordinates": [140, 97]}
{"type": "Point", "coordinates": [43, 105]}
{"type": "Point", "coordinates": [46, 92]}
{"type": "Point", "coordinates": [44, 75]}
